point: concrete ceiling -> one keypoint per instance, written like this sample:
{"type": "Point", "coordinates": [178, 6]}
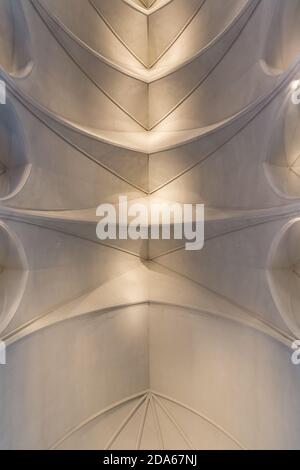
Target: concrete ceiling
{"type": "Point", "coordinates": [135, 344]}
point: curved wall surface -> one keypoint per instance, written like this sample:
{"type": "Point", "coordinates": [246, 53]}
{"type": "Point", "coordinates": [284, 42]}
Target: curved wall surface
{"type": "Point", "coordinates": [137, 344]}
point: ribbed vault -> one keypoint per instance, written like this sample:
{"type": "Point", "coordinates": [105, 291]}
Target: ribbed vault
{"type": "Point", "coordinates": [149, 421]}
{"type": "Point", "coordinates": [142, 344]}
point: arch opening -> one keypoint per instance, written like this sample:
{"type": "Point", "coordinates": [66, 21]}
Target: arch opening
{"type": "Point", "coordinates": [13, 161]}
{"type": "Point", "coordinates": [14, 38]}
{"type": "Point", "coordinates": [284, 274]}
{"type": "Point", "coordinates": [283, 44]}
{"type": "Point", "coordinates": [13, 275]}
{"type": "Point", "coordinates": [283, 162]}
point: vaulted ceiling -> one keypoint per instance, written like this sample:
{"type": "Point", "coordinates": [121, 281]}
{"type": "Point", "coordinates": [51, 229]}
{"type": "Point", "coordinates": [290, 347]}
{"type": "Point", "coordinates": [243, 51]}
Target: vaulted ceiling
{"type": "Point", "coordinates": [142, 344]}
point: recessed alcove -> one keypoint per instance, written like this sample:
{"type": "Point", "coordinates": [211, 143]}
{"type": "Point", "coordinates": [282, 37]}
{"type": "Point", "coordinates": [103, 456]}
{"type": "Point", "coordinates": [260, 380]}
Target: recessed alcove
{"type": "Point", "coordinates": [14, 38]}
{"type": "Point", "coordinates": [13, 274]}
{"type": "Point", "coordinates": [283, 45]}
{"type": "Point", "coordinates": [283, 162]}
{"type": "Point", "coordinates": [284, 274]}
{"type": "Point", "coordinates": [13, 160]}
